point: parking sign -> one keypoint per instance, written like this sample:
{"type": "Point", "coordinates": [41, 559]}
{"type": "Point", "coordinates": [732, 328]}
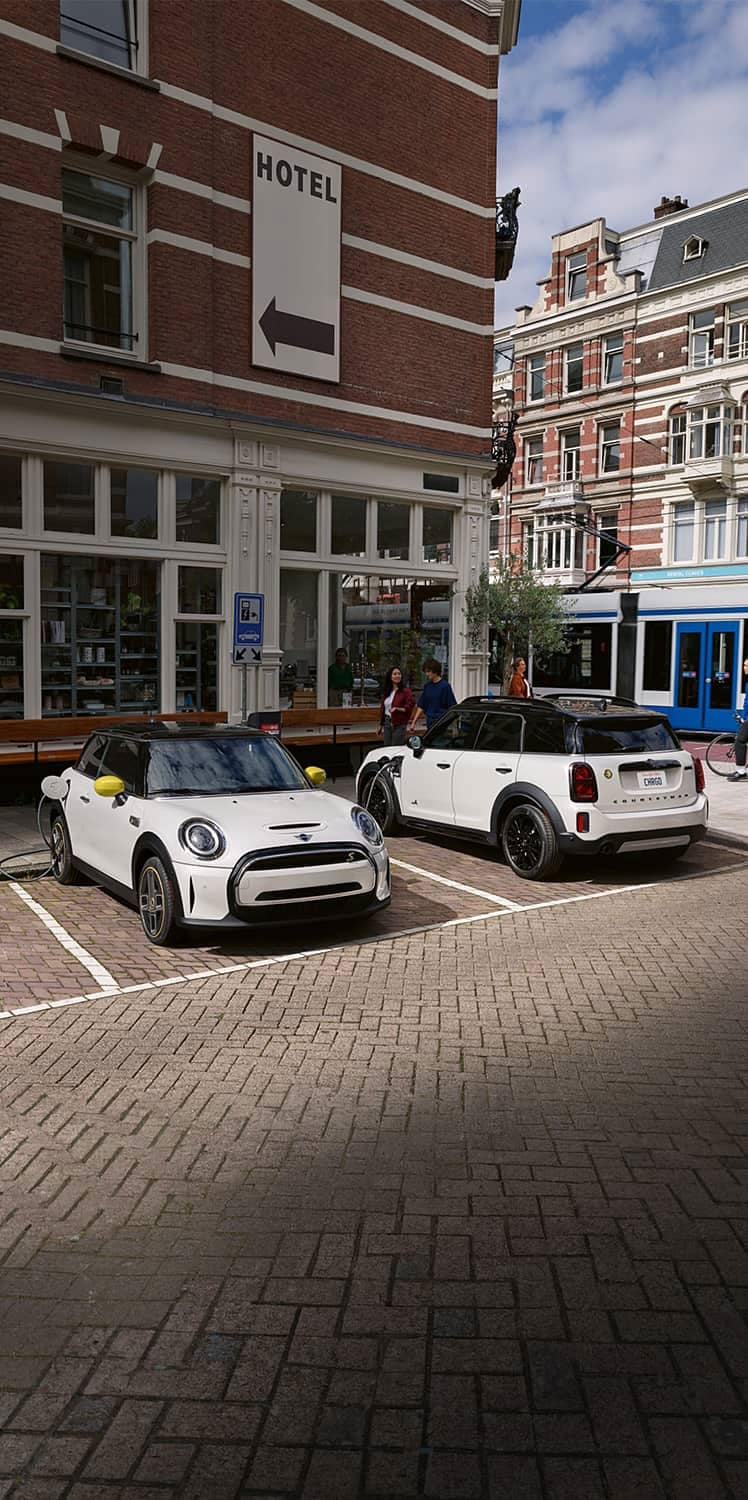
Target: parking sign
{"type": "Point", "coordinates": [249, 619]}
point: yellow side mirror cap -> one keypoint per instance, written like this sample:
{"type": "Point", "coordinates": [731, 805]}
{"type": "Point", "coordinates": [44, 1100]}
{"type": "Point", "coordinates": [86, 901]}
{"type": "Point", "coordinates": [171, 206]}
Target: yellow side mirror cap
{"type": "Point", "coordinates": [316, 775]}
{"type": "Point", "coordinates": [109, 786]}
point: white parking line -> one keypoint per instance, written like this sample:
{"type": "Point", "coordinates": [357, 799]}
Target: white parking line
{"type": "Point", "coordinates": [95, 969]}
{"type": "Point", "coordinates": [470, 890]}
{"type": "Point", "coordinates": [216, 971]}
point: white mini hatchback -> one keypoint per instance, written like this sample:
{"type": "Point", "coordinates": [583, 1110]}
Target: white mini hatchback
{"type": "Point", "coordinates": [542, 779]}
{"type": "Point", "coordinates": [213, 827]}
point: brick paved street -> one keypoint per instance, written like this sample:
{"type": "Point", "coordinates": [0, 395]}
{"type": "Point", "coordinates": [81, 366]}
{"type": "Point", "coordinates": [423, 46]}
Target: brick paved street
{"type": "Point", "coordinates": [458, 1214]}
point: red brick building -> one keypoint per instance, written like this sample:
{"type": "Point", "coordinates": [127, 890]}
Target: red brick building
{"type": "Point", "coordinates": [630, 377]}
{"type": "Point", "coordinates": [164, 439]}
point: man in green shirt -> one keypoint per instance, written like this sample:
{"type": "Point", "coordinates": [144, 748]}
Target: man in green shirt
{"type": "Point", "coordinates": [339, 678]}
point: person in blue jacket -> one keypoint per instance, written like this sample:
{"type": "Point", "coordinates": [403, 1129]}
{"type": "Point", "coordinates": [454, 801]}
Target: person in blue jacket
{"type": "Point", "coordinates": [436, 697]}
{"type": "Point", "coordinates": [741, 738]}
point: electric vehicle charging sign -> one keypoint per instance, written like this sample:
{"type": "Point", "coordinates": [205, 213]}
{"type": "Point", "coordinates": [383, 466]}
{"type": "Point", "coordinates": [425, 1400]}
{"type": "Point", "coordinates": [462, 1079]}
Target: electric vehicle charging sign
{"type": "Point", "coordinates": [249, 626]}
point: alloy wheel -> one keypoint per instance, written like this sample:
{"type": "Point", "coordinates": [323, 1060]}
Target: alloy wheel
{"type": "Point", "coordinates": [152, 902]}
{"type": "Point", "coordinates": [524, 841]}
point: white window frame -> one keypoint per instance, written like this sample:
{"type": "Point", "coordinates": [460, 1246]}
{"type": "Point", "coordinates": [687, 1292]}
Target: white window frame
{"type": "Point", "coordinates": [721, 517]}
{"type": "Point", "coordinates": [607, 352]}
{"type": "Point", "coordinates": [531, 458]}
{"type": "Point", "coordinates": [741, 526]}
{"type": "Point", "coordinates": [571, 455]}
{"type": "Point", "coordinates": [737, 320]}
{"type": "Point", "coordinates": [576, 265]}
{"type": "Point", "coordinates": [694, 248]}
{"type": "Point", "coordinates": [699, 422]}
{"type": "Point", "coordinates": [679, 436]}
{"type": "Point", "coordinates": [137, 236]}
{"type": "Point", "coordinates": [578, 359]}
{"type": "Point", "coordinates": [684, 505]}
{"type": "Point", "coordinates": [539, 361]}
{"type": "Point", "coordinates": [600, 519]}
{"type": "Point", "coordinates": [607, 443]}
{"type": "Point", "coordinates": [701, 358]}
{"type": "Point", "coordinates": [138, 17]}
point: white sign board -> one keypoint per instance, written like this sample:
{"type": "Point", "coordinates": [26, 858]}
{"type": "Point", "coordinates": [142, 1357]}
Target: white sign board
{"type": "Point", "coordinates": [295, 261]}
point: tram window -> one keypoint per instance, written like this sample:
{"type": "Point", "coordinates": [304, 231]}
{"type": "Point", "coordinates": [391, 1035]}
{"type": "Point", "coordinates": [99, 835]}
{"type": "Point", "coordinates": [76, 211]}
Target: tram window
{"type": "Point", "coordinates": [658, 656]}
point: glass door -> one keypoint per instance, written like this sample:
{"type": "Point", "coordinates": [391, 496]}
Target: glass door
{"type": "Point", "coordinates": [689, 676]}
{"type": "Point", "coordinates": [722, 675]}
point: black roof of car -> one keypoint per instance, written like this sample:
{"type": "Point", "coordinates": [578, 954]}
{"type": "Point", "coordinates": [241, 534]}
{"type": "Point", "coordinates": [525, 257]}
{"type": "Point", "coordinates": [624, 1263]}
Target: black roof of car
{"type": "Point", "coordinates": [171, 730]}
{"type": "Point", "coordinates": [570, 705]}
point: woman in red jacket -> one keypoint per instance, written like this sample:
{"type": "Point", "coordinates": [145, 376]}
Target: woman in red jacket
{"type": "Point", "coordinates": [396, 708]}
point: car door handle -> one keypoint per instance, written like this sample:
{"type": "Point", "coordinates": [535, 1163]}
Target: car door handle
{"type": "Point", "coordinates": [443, 765]}
{"type": "Point", "coordinates": [84, 799]}
{"type": "Point", "coordinates": [505, 770]}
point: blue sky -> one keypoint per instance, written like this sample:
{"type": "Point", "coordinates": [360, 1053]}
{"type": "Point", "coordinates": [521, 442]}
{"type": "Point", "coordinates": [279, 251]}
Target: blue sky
{"type": "Point", "coordinates": [604, 105]}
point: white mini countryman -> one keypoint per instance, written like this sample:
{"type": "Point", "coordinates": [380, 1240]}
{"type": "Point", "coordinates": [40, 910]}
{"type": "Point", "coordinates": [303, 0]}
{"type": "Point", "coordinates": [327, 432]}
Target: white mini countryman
{"type": "Point", "coordinates": [213, 827]}
{"type": "Point", "coordinates": [543, 779]}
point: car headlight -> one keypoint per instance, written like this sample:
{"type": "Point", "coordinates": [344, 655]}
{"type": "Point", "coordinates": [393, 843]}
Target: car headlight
{"type": "Point", "coordinates": [367, 827]}
{"type": "Point", "coordinates": [201, 838]}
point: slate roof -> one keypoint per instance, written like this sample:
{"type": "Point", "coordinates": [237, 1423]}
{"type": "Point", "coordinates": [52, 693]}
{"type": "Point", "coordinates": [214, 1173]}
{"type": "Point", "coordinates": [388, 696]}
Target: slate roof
{"type": "Point", "coordinates": [726, 231]}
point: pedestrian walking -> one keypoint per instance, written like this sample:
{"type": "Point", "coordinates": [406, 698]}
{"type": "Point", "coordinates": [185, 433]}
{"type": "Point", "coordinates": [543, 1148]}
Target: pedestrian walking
{"type": "Point", "coordinates": [436, 697]}
{"type": "Point", "coordinates": [519, 687]}
{"type": "Point", "coordinates": [741, 738]}
{"type": "Point", "coordinates": [396, 708]}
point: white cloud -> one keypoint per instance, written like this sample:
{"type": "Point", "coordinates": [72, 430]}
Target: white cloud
{"type": "Point", "coordinates": [673, 120]}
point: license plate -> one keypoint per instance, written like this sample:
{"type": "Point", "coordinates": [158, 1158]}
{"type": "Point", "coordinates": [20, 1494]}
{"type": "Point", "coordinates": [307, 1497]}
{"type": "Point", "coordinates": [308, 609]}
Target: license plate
{"type": "Point", "coordinates": [651, 781]}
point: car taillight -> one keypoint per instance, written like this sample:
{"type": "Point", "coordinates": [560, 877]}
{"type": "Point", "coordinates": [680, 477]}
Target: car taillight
{"type": "Point", "coordinates": [698, 771]}
{"type": "Point", "coordinates": [583, 783]}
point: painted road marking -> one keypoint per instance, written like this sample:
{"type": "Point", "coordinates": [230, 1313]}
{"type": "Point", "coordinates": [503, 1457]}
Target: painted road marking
{"type": "Point", "coordinates": [470, 890]}
{"type": "Point", "coordinates": [113, 990]}
{"type": "Point", "coordinates": [95, 969]}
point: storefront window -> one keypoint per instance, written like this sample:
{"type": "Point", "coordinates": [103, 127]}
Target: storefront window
{"type": "Point", "coordinates": [348, 525]}
{"type": "Point", "coordinates": [11, 514]}
{"type": "Point", "coordinates": [437, 535]}
{"type": "Point", "coordinates": [298, 521]}
{"type": "Point", "coordinates": [199, 591]}
{"type": "Point", "coordinates": [11, 638]}
{"type": "Point", "coordinates": [134, 502]}
{"type": "Point", "coordinates": [385, 622]}
{"type": "Point", "coordinates": [198, 509]}
{"type": "Point", "coordinates": [100, 635]}
{"type": "Point", "coordinates": [197, 667]}
{"type": "Point", "coordinates": [393, 529]}
{"type": "Point", "coordinates": [11, 581]}
{"type": "Point", "coordinates": [69, 498]}
{"type": "Point", "coordinates": [298, 639]}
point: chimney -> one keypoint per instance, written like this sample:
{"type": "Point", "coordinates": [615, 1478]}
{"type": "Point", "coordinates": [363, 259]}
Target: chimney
{"type": "Point", "coordinates": [669, 206]}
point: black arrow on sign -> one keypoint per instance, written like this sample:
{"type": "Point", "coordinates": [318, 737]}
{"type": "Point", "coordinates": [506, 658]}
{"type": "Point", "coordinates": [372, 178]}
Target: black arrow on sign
{"type": "Point", "coordinates": [302, 333]}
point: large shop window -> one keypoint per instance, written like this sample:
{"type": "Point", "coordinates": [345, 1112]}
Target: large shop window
{"type": "Point", "coordinates": [393, 530]}
{"type": "Point", "coordinates": [199, 591]}
{"type": "Point", "coordinates": [99, 234]}
{"type": "Point", "coordinates": [658, 656]}
{"type": "Point", "coordinates": [198, 510]}
{"type": "Point", "coordinates": [348, 536]}
{"type": "Point", "coordinates": [103, 28]}
{"type": "Point", "coordinates": [134, 502]}
{"type": "Point", "coordinates": [11, 637]}
{"type": "Point", "coordinates": [585, 661]}
{"type": "Point", "coordinates": [197, 667]}
{"type": "Point", "coordinates": [437, 535]}
{"type": "Point", "coordinates": [69, 498]}
{"type": "Point", "coordinates": [386, 622]}
{"type": "Point", "coordinates": [11, 510]}
{"type": "Point", "coordinates": [298, 521]}
{"type": "Point", "coordinates": [100, 635]}
{"type": "Point", "coordinates": [298, 638]}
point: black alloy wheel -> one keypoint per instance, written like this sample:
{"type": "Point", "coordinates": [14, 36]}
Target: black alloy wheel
{"type": "Point", "coordinates": [157, 901]}
{"type": "Point", "coordinates": [529, 843]}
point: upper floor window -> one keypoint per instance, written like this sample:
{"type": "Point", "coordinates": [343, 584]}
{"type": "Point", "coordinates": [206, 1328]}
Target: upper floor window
{"type": "Point", "coordinates": [576, 276]}
{"type": "Point", "coordinates": [701, 339]}
{"type": "Point", "coordinates": [533, 460]}
{"type": "Point", "coordinates": [742, 537]}
{"type": "Point", "coordinates": [715, 529]}
{"type": "Point", "coordinates": [684, 531]}
{"type": "Point", "coordinates": [573, 367]}
{"type": "Point", "coordinates": [610, 447]}
{"type": "Point", "coordinates": [494, 523]}
{"type": "Point", "coordinates": [106, 29]}
{"type": "Point", "coordinates": [570, 453]}
{"type": "Point", "coordinates": [678, 437]}
{"type": "Point", "coordinates": [710, 431]}
{"type": "Point", "coordinates": [99, 236]}
{"type": "Point", "coordinates": [736, 337]}
{"type": "Point", "coordinates": [694, 248]}
{"type": "Point", "coordinates": [607, 546]}
{"type": "Point", "coordinates": [536, 377]}
{"type": "Point", "coordinates": [613, 359]}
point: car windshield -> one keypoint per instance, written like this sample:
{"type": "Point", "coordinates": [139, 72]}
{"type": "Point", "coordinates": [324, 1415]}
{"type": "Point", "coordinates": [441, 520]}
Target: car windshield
{"type": "Point", "coordinates": [620, 736]}
{"type": "Point", "coordinates": [221, 767]}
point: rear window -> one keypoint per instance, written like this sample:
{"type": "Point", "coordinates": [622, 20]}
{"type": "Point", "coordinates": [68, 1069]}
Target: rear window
{"type": "Point", "coordinates": [545, 736]}
{"type": "Point", "coordinates": [624, 735]}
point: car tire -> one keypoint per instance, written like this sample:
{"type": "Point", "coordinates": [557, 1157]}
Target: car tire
{"type": "Point", "coordinates": [63, 867]}
{"type": "Point", "coordinates": [378, 797]}
{"type": "Point", "coordinates": [158, 905]}
{"type": "Point", "coordinates": [528, 843]}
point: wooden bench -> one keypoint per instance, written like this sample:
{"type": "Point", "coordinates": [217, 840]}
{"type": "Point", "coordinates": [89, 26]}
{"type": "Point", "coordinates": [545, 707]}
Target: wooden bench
{"type": "Point", "coordinates": [69, 733]}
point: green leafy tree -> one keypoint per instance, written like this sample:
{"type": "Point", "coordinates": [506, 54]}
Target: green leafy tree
{"type": "Point", "coordinates": [527, 613]}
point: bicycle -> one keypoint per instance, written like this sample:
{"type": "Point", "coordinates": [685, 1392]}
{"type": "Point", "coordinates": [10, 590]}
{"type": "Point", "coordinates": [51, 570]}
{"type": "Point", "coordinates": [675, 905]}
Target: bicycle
{"type": "Point", "coordinates": [722, 764]}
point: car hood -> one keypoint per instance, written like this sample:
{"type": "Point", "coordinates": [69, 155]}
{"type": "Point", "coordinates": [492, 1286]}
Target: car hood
{"type": "Point", "coordinates": [264, 820]}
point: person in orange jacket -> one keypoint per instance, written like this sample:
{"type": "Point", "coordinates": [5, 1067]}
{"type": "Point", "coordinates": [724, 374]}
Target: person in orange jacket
{"type": "Point", "coordinates": [519, 687]}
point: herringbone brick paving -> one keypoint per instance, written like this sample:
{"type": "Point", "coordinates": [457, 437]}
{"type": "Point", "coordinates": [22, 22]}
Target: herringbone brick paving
{"type": "Point", "coordinates": [462, 1214]}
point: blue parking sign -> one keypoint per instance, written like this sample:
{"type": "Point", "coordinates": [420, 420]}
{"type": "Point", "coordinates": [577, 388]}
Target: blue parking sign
{"type": "Point", "coordinates": [249, 619]}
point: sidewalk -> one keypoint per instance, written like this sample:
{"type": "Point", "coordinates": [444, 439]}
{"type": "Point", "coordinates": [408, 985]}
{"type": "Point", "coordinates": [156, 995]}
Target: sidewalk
{"type": "Point", "coordinates": [728, 800]}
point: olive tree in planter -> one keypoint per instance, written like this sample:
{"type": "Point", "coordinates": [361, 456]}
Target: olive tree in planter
{"type": "Point", "coordinates": [526, 612]}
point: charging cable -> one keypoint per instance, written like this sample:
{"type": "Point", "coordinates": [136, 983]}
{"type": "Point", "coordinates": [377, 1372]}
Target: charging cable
{"type": "Point", "coordinates": [58, 792]}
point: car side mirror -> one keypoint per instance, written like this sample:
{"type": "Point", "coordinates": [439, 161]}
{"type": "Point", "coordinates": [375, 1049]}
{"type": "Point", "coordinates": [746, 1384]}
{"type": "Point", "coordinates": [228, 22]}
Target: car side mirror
{"type": "Point", "coordinates": [316, 775]}
{"type": "Point", "coordinates": [109, 786]}
{"type": "Point", "coordinates": [415, 743]}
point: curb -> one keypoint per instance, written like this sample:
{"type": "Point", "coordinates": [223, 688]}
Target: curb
{"type": "Point", "coordinates": [729, 840]}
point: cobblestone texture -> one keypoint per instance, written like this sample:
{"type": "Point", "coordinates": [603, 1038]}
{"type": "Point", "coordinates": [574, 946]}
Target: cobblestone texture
{"type": "Point", "coordinates": [460, 1214]}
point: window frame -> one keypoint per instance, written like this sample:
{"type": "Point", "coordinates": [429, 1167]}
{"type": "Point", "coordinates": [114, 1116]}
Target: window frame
{"type": "Point", "coordinates": [137, 237]}
{"type": "Point", "coordinates": [741, 516]}
{"type": "Point", "coordinates": [536, 367]}
{"type": "Point", "coordinates": [572, 272]}
{"type": "Point", "coordinates": [530, 458]}
{"type": "Point", "coordinates": [675, 525]}
{"type": "Point", "coordinates": [575, 390]}
{"type": "Point", "coordinates": [605, 532]}
{"type": "Point", "coordinates": [607, 353]}
{"type": "Point", "coordinates": [567, 450]}
{"type": "Point", "coordinates": [138, 45]}
{"type": "Point", "coordinates": [696, 361]}
{"type": "Point", "coordinates": [679, 437]}
{"type": "Point", "coordinates": [607, 444]}
{"type": "Point", "coordinates": [739, 321]}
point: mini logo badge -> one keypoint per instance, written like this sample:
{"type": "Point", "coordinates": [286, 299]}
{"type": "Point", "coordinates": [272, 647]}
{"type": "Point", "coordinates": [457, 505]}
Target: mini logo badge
{"type": "Point", "coordinates": [304, 837]}
{"type": "Point", "coordinates": [607, 775]}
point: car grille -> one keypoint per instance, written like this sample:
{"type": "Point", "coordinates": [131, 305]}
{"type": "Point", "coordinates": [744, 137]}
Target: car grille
{"type": "Point", "coordinates": [303, 893]}
{"type": "Point", "coordinates": [304, 858]}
